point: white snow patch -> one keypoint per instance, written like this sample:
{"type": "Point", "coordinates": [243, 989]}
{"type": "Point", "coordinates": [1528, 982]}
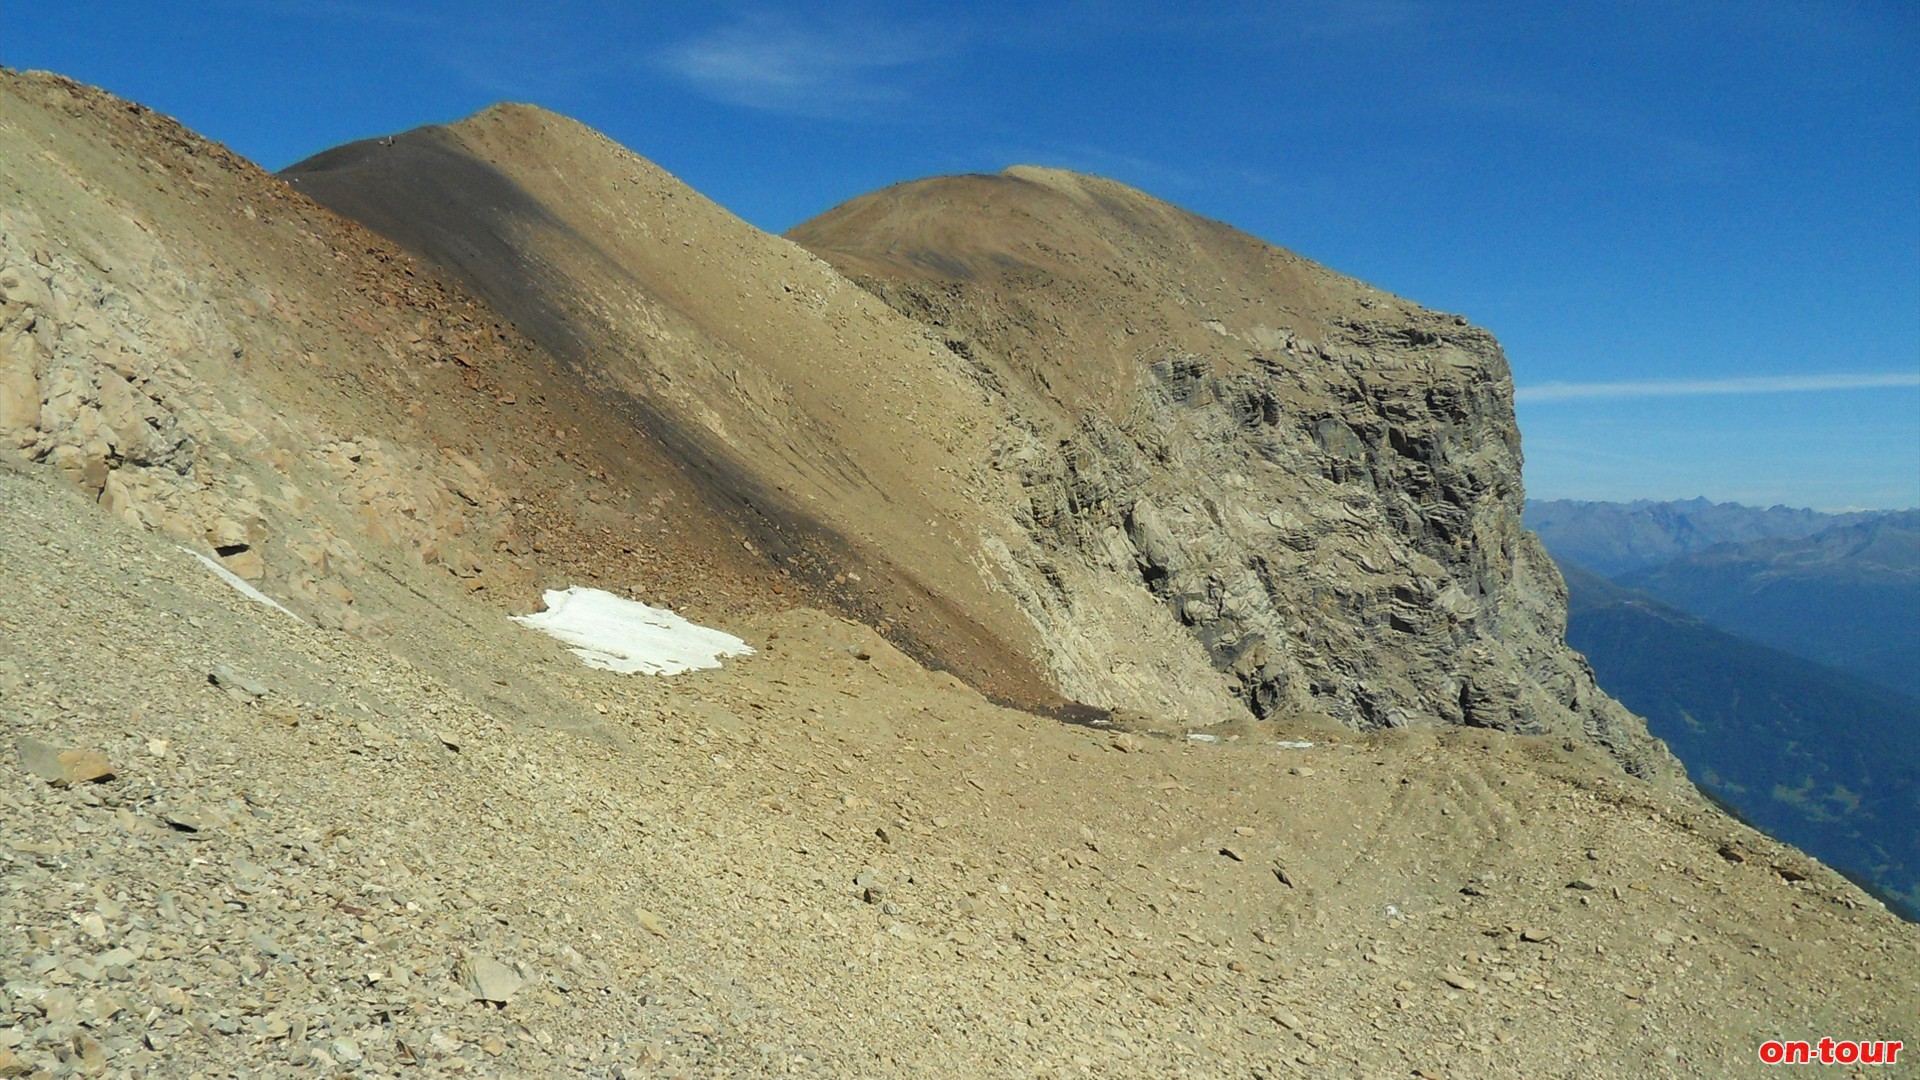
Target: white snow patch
{"type": "Point", "coordinates": [240, 585]}
{"type": "Point", "coordinates": [613, 634]}
{"type": "Point", "coordinates": [1292, 744]}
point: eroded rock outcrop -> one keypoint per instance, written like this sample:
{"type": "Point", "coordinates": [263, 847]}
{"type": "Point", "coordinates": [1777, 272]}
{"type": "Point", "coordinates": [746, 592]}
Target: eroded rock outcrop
{"type": "Point", "coordinates": [1321, 482]}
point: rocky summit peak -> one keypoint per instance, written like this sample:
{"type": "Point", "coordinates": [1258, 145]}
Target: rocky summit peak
{"type": "Point", "coordinates": [1245, 436]}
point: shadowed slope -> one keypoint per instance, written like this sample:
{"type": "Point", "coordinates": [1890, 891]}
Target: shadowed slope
{"type": "Point", "coordinates": [814, 419]}
{"type": "Point", "coordinates": [214, 357]}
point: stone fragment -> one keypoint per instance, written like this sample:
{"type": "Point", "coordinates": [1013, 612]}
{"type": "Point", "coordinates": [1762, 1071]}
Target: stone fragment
{"type": "Point", "coordinates": [1233, 853]}
{"type": "Point", "coordinates": [188, 820]}
{"type": "Point", "coordinates": [91, 1054]}
{"type": "Point", "coordinates": [265, 943]}
{"type": "Point", "coordinates": [650, 922]}
{"type": "Point", "coordinates": [19, 391]}
{"type": "Point", "coordinates": [63, 767]}
{"type": "Point", "coordinates": [1536, 937]}
{"type": "Point", "coordinates": [488, 979]}
{"type": "Point", "coordinates": [248, 564]}
{"type": "Point", "coordinates": [1127, 743]}
{"type": "Point", "coordinates": [225, 677]}
{"type": "Point", "coordinates": [1459, 981]}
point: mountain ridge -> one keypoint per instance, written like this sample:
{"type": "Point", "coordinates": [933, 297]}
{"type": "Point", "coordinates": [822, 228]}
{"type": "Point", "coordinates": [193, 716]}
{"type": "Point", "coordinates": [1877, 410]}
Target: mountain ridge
{"type": "Point", "coordinates": [1613, 538]}
{"type": "Point", "coordinates": [399, 832]}
{"type": "Point", "coordinates": [1847, 596]}
{"type": "Point", "coordinates": [1215, 397]}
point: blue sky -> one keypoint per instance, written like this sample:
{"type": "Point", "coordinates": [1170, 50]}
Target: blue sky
{"type": "Point", "coordinates": [1695, 226]}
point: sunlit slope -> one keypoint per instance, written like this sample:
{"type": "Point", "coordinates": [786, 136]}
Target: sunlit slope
{"type": "Point", "coordinates": [1320, 481]}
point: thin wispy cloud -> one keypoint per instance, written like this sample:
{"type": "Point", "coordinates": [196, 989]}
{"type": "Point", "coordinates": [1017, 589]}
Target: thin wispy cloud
{"type": "Point", "coordinates": [823, 69]}
{"type": "Point", "coordinates": [1766, 384]}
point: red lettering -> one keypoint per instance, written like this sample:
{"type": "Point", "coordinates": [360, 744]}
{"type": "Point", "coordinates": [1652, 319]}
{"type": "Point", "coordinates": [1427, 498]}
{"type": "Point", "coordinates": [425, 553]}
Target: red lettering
{"type": "Point", "coordinates": [1830, 1051]}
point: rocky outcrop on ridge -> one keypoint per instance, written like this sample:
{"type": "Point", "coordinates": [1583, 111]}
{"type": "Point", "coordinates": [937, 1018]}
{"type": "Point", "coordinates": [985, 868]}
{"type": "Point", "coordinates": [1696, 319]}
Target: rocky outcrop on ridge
{"type": "Point", "coordinates": [1097, 481]}
{"type": "Point", "coordinates": [1320, 481]}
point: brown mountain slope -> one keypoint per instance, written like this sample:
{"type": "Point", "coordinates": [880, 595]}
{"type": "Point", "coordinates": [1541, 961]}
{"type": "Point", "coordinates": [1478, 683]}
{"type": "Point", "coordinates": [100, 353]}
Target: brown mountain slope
{"type": "Point", "coordinates": [813, 864]}
{"type": "Point", "coordinates": [214, 357]}
{"type": "Point", "coordinates": [1029, 517]}
{"type": "Point", "coordinates": [1320, 480]}
{"type": "Point", "coordinates": [764, 369]}
{"type": "Point", "coordinates": [404, 836]}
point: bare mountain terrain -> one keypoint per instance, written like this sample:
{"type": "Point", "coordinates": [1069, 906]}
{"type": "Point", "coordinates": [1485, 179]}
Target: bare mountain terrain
{"type": "Point", "coordinates": [1319, 481]}
{"type": "Point", "coordinates": [388, 832]}
{"type": "Point", "coordinates": [1108, 516]}
{"type": "Point", "coordinates": [843, 434]}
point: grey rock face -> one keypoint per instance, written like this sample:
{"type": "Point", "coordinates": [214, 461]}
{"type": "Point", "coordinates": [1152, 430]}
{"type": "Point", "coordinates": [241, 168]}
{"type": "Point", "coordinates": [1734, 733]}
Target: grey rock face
{"type": "Point", "coordinates": [1367, 562]}
{"type": "Point", "coordinates": [1320, 483]}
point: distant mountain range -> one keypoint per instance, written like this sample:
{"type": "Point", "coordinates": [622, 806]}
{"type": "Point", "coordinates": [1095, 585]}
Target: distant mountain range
{"type": "Point", "coordinates": [1810, 753]}
{"type": "Point", "coordinates": [1848, 597]}
{"type": "Point", "coordinates": [1612, 538]}
{"type": "Point", "coordinates": [1783, 669]}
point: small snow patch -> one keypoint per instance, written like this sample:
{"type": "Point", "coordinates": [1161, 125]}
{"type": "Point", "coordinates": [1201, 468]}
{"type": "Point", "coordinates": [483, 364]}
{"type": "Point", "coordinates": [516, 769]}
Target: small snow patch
{"type": "Point", "coordinates": [613, 634]}
{"type": "Point", "coordinates": [240, 584]}
{"type": "Point", "coordinates": [1292, 744]}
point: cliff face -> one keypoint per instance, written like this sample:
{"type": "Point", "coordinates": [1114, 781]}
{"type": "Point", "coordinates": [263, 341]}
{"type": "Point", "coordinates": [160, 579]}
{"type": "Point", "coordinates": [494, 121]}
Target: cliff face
{"type": "Point", "coordinates": [1319, 482]}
